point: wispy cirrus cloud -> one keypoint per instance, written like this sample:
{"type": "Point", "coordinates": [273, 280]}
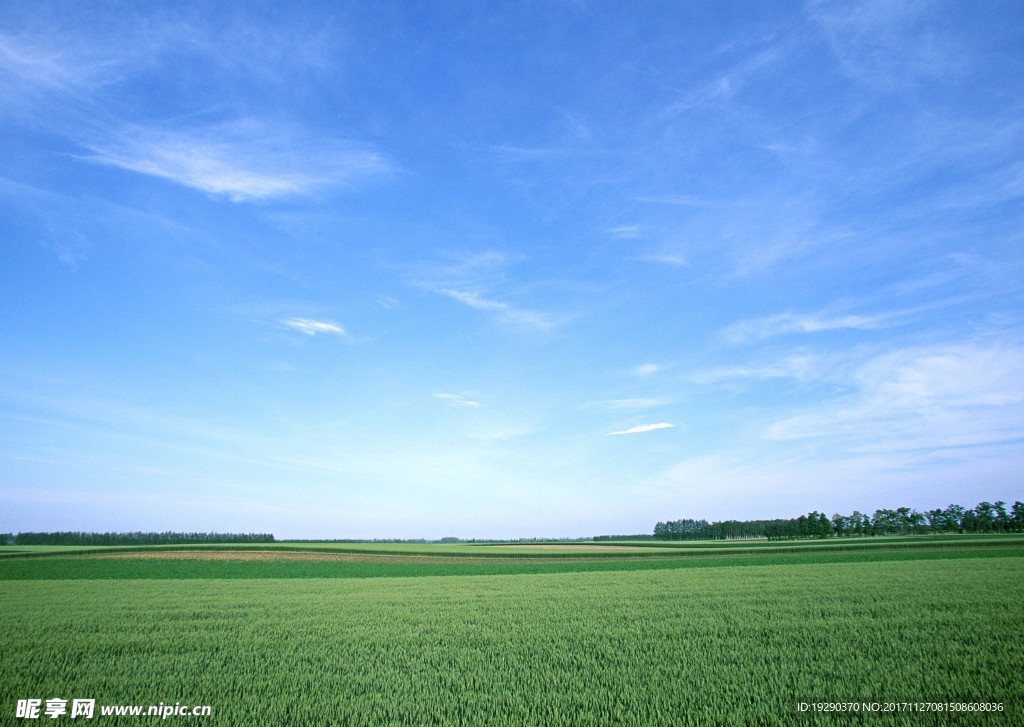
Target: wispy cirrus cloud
{"type": "Point", "coordinates": [457, 399]}
{"type": "Point", "coordinates": [312, 327]}
{"type": "Point", "coordinates": [921, 398]}
{"type": "Point", "coordinates": [625, 232]}
{"type": "Point", "coordinates": [890, 44]}
{"type": "Point", "coordinates": [507, 313]}
{"type": "Point", "coordinates": [64, 72]}
{"type": "Point", "coordinates": [534, 153]}
{"type": "Point", "coordinates": [672, 260]}
{"type": "Point", "coordinates": [27, 63]}
{"type": "Point", "coordinates": [801, 367]}
{"type": "Point", "coordinates": [785, 323]}
{"type": "Point", "coordinates": [639, 403]}
{"type": "Point", "coordinates": [481, 281]}
{"type": "Point", "coordinates": [643, 428]}
{"type": "Point", "coordinates": [86, 49]}
{"type": "Point", "coordinates": [243, 161]}
{"type": "Point", "coordinates": [474, 300]}
{"type": "Point", "coordinates": [917, 424]}
{"type": "Point", "coordinates": [675, 200]}
{"type": "Point", "coordinates": [648, 369]}
{"type": "Point", "coordinates": [388, 303]}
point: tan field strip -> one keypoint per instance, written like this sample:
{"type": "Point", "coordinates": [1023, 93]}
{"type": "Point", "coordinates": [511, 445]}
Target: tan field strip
{"type": "Point", "coordinates": [278, 555]}
{"type": "Point", "coordinates": [265, 555]}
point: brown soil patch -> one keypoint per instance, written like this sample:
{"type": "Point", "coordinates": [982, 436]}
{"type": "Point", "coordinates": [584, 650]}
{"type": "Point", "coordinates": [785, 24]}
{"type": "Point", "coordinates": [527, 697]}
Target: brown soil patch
{"type": "Point", "coordinates": [253, 555]}
{"type": "Point", "coordinates": [267, 555]}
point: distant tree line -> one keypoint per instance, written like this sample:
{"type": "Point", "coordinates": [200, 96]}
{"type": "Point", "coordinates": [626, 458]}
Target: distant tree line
{"type": "Point", "coordinates": [987, 517]}
{"type": "Point", "coordinates": [689, 529]}
{"type": "Point", "coordinates": [358, 540]}
{"type": "Point", "coordinates": [168, 538]}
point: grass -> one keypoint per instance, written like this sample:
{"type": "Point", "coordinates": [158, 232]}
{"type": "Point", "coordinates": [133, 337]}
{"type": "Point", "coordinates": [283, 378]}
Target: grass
{"type": "Point", "coordinates": [442, 560]}
{"type": "Point", "coordinates": [548, 550]}
{"type": "Point", "coordinates": [694, 639]}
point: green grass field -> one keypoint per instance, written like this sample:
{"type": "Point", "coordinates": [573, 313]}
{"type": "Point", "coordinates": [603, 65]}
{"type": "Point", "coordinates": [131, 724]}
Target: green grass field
{"type": "Point", "coordinates": [440, 635]}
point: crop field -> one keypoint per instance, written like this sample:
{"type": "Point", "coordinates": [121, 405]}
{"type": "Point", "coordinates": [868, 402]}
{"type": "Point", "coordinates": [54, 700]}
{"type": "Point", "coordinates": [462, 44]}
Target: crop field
{"type": "Point", "coordinates": [505, 634]}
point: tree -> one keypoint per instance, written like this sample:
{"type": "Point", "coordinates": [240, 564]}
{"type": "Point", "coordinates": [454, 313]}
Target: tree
{"type": "Point", "coordinates": [986, 517]}
{"type": "Point", "coordinates": [985, 513]}
{"type": "Point", "coordinates": [1002, 518]}
{"type": "Point", "coordinates": [936, 520]}
{"type": "Point", "coordinates": [137, 538]}
{"type": "Point", "coordinates": [824, 528]}
{"type": "Point", "coordinates": [955, 517]}
{"type": "Point", "coordinates": [687, 529]}
{"type": "Point", "coordinates": [916, 521]}
{"type": "Point", "coordinates": [885, 522]}
{"type": "Point", "coordinates": [902, 519]}
{"type": "Point", "coordinates": [1017, 516]}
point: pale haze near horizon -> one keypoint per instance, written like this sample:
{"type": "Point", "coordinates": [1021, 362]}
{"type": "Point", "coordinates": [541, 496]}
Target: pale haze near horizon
{"type": "Point", "coordinates": [403, 270]}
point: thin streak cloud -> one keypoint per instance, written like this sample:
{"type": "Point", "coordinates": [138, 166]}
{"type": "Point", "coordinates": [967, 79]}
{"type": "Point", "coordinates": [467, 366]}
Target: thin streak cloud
{"type": "Point", "coordinates": [642, 428]}
{"type": "Point", "coordinates": [649, 403]}
{"type": "Point", "coordinates": [625, 232]}
{"type": "Point", "coordinates": [457, 400]}
{"type": "Point", "coordinates": [648, 369]}
{"type": "Point", "coordinates": [243, 161]}
{"type": "Point", "coordinates": [311, 327]}
{"type": "Point", "coordinates": [507, 313]}
{"type": "Point", "coordinates": [784, 323]}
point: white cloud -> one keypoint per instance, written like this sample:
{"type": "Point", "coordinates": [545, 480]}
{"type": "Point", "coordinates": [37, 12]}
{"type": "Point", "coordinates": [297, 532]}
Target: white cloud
{"type": "Point", "coordinates": [311, 327]}
{"type": "Point", "coordinates": [477, 280]}
{"type": "Point", "coordinates": [676, 261]}
{"type": "Point", "coordinates": [473, 268]}
{"type": "Point", "coordinates": [919, 399]}
{"type": "Point", "coordinates": [647, 369]}
{"type": "Point", "coordinates": [799, 366]}
{"type": "Point", "coordinates": [784, 323]}
{"type": "Point", "coordinates": [246, 160]}
{"type": "Point", "coordinates": [889, 44]}
{"type": "Point", "coordinates": [919, 426]}
{"type": "Point", "coordinates": [473, 300]}
{"type": "Point", "coordinates": [722, 89]}
{"type": "Point", "coordinates": [62, 73]}
{"type": "Point", "coordinates": [625, 232]}
{"type": "Point", "coordinates": [954, 375]}
{"type": "Point", "coordinates": [641, 428]}
{"type": "Point", "coordinates": [527, 153]}
{"type": "Point", "coordinates": [457, 399]}
{"type": "Point", "coordinates": [33, 64]}
{"type": "Point", "coordinates": [66, 47]}
{"type": "Point", "coordinates": [679, 200]}
{"type": "Point", "coordinates": [636, 403]}
{"type": "Point", "coordinates": [519, 317]}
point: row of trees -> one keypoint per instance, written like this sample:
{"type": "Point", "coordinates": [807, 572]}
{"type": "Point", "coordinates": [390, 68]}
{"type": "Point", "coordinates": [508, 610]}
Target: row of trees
{"type": "Point", "coordinates": [168, 538]}
{"type": "Point", "coordinates": [987, 517]}
{"type": "Point", "coordinates": [688, 529]}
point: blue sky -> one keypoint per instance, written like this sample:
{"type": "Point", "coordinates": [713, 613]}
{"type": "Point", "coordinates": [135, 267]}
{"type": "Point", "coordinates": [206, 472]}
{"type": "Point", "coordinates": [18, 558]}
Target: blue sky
{"type": "Point", "coordinates": [507, 269]}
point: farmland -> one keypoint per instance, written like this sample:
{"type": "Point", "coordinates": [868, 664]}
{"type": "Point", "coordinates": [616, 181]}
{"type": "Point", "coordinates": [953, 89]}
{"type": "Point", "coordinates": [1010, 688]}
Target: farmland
{"type": "Point", "coordinates": [503, 634]}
